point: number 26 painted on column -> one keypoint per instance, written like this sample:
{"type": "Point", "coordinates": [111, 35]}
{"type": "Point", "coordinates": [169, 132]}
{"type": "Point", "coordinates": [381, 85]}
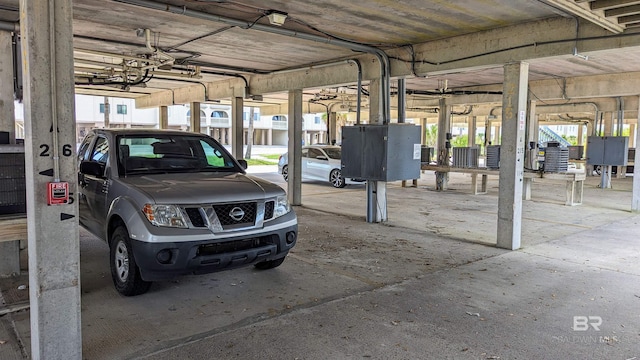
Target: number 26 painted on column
{"type": "Point", "coordinates": [66, 150]}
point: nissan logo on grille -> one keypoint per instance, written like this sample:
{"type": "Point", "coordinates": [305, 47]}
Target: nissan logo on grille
{"type": "Point", "coordinates": [236, 213]}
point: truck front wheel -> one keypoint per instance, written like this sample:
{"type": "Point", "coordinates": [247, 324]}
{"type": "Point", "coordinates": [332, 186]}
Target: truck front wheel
{"type": "Point", "coordinates": [124, 271]}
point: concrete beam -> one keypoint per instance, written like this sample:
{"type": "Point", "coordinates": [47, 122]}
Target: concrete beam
{"type": "Point", "coordinates": [524, 42]}
{"type": "Point", "coordinates": [163, 98]}
{"type": "Point", "coordinates": [528, 41]}
{"type": "Point", "coordinates": [581, 87]}
{"type": "Point", "coordinates": [189, 94]}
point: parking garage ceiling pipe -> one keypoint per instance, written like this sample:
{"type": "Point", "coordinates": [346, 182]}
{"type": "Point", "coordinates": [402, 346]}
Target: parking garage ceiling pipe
{"type": "Point", "coordinates": [10, 26]}
{"type": "Point", "coordinates": [595, 110]}
{"type": "Point", "coordinates": [359, 95]}
{"type": "Point", "coordinates": [385, 65]}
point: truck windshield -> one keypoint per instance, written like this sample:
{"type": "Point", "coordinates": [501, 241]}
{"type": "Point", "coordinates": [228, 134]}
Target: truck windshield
{"type": "Point", "coordinates": [144, 154]}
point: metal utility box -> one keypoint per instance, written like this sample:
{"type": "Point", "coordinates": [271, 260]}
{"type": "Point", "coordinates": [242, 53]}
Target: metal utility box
{"type": "Point", "coordinates": [466, 157]}
{"type": "Point", "coordinates": [427, 154]}
{"type": "Point", "coordinates": [493, 157]}
{"type": "Point", "coordinates": [556, 159]}
{"type": "Point", "coordinates": [381, 152]}
{"type": "Point", "coordinates": [13, 199]}
{"type": "Point", "coordinates": [576, 152]}
{"type": "Point", "coordinates": [607, 150]}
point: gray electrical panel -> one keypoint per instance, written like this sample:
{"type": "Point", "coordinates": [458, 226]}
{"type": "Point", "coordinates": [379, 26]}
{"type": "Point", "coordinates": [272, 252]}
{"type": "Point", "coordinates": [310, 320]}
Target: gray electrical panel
{"type": "Point", "coordinates": [607, 150]}
{"type": "Point", "coordinates": [381, 152]}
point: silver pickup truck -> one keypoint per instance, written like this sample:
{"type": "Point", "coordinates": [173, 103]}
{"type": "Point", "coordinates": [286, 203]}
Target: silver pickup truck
{"type": "Point", "coordinates": [171, 203]}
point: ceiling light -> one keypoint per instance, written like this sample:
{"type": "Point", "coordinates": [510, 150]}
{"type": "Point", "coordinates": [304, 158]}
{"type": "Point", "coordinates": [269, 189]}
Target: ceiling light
{"type": "Point", "coordinates": [583, 57]}
{"type": "Point", "coordinates": [276, 17]}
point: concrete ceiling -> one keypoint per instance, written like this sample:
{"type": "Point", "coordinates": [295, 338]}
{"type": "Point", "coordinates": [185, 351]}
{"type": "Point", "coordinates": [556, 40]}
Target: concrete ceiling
{"type": "Point", "coordinates": [196, 50]}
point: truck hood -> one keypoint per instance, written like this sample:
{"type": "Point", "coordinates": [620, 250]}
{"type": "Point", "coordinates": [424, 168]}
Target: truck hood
{"type": "Point", "coordinates": [202, 188]}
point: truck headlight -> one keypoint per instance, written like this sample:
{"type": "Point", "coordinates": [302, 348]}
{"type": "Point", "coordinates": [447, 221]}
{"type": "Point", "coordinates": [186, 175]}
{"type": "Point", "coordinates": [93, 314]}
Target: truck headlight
{"type": "Point", "coordinates": [164, 215]}
{"type": "Point", "coordinates": [282, 206]}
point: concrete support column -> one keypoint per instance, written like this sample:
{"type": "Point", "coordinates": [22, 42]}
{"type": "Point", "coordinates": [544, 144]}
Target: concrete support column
{"type": "Point", "coordinates": [164, 117]}
{"type": "Point", "coordinates": [423, 136]}
{"type": "Point", "coordinates": [590, 132]}
{"type": "Point", "coordinates": [107, 112]}
{"type": "Point", "coordinates": [333, 128]}
{"type": "Point", "coordinates": [194, 120]}
{"type": "Point", "coordinates": [531, 144]}
{"type": "Point", "coordinates": [496, 135]}
{"type": "Point", "coordinates": [270, 137]}
{"type": "Point", "coordinates": [608, 123]}
{"type": "Point", "coordinates": [444, 126]}
{"type": "Point", "coordinates": [471, 130]}
{"type": "Point", "coordinates": [375, 102]}
{"type": "Point", "coordinates": [632, 135]}
{"type": "Point", "coordinates": [237, 127]}
{"type": "Point", "coordinates": [531, 148]}
{"type": "Point", "coordinates": [605, 181]}
{"type": "Point", "coordinates": [635, 193]}
{"type": "Point", "coordinates": [50, 148]}
{"type": "Point", "coordinates": [294, 186]}
{"type": "Point", "coordinates": [7, 110]}
{"type": "Point", "coordinates": [376, 190]}
{"type": "Point", "coordinates": [580, 134]}
{"type": "Point", "coordinates": [9, 250]}
{"type": "Point", "coordinates": [514, 114]}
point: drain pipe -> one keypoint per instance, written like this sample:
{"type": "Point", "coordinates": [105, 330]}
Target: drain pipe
{"type": "Point", "coordinates": [10, 26]}
{"type": "Point", "coordinates": [385, 64]}
{"type": "Point", "coordinates": [620, 108]}
{"type": "Point", "coordinates": [359, 96]}
{"type": "Point", "coordinates": [402, 91]}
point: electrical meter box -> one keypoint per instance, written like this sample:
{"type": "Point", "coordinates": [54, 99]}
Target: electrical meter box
{"type": "Point", "coordinates": [381, 152]}
{"type": "Point", "coordinates": [607, 150]}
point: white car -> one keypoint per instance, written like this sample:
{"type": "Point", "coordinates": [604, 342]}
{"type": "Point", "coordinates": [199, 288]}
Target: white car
{"type": "Point", "coordinates": [319, 162]}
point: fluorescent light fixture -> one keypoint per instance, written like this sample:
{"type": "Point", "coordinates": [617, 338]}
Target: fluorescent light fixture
{"type": "Point", "coordinates": [277, 17]}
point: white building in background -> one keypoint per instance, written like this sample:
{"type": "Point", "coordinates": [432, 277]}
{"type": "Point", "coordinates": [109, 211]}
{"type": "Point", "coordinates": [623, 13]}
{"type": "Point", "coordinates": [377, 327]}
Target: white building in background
{"type": "Point", "coordinates": [215, 120]}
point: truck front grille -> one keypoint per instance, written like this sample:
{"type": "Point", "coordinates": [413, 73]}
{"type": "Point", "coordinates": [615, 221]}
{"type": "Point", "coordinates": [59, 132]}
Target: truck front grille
{"type": "Point", "coordinates": [230, 216]}
{"type": "Point", "coordinates": [235, 245]}
{"type": "Point", "coordinates": [236, 214]}
{"type": "Point", "coordinates": [268, 209]}
{"type": "Point", "coordinates": [195, 216]}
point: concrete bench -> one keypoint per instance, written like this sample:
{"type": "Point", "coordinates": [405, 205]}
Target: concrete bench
{"type": "Point", "coordinates": [574, 181]}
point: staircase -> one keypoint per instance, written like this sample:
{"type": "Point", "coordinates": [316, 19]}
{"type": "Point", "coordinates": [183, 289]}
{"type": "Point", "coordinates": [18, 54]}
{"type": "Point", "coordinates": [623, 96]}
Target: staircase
{"type": "Point", "coordinates": [545, 135]}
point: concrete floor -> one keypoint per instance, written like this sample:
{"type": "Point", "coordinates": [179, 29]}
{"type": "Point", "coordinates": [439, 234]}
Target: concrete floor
{"type": "Point", "coordinates": [428, 284]}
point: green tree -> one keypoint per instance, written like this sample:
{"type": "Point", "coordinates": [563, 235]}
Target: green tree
{"type": "Point", "coordinates": [572, 139]}
{"type": "Point", "coordinates": [460, 141]}
{"type": "Point", "coordinates": [431, 135]}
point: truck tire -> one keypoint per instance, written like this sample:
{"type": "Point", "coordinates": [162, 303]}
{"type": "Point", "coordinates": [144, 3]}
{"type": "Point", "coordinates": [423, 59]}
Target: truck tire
{"type": "Point", "coordinates": [124, 270]}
